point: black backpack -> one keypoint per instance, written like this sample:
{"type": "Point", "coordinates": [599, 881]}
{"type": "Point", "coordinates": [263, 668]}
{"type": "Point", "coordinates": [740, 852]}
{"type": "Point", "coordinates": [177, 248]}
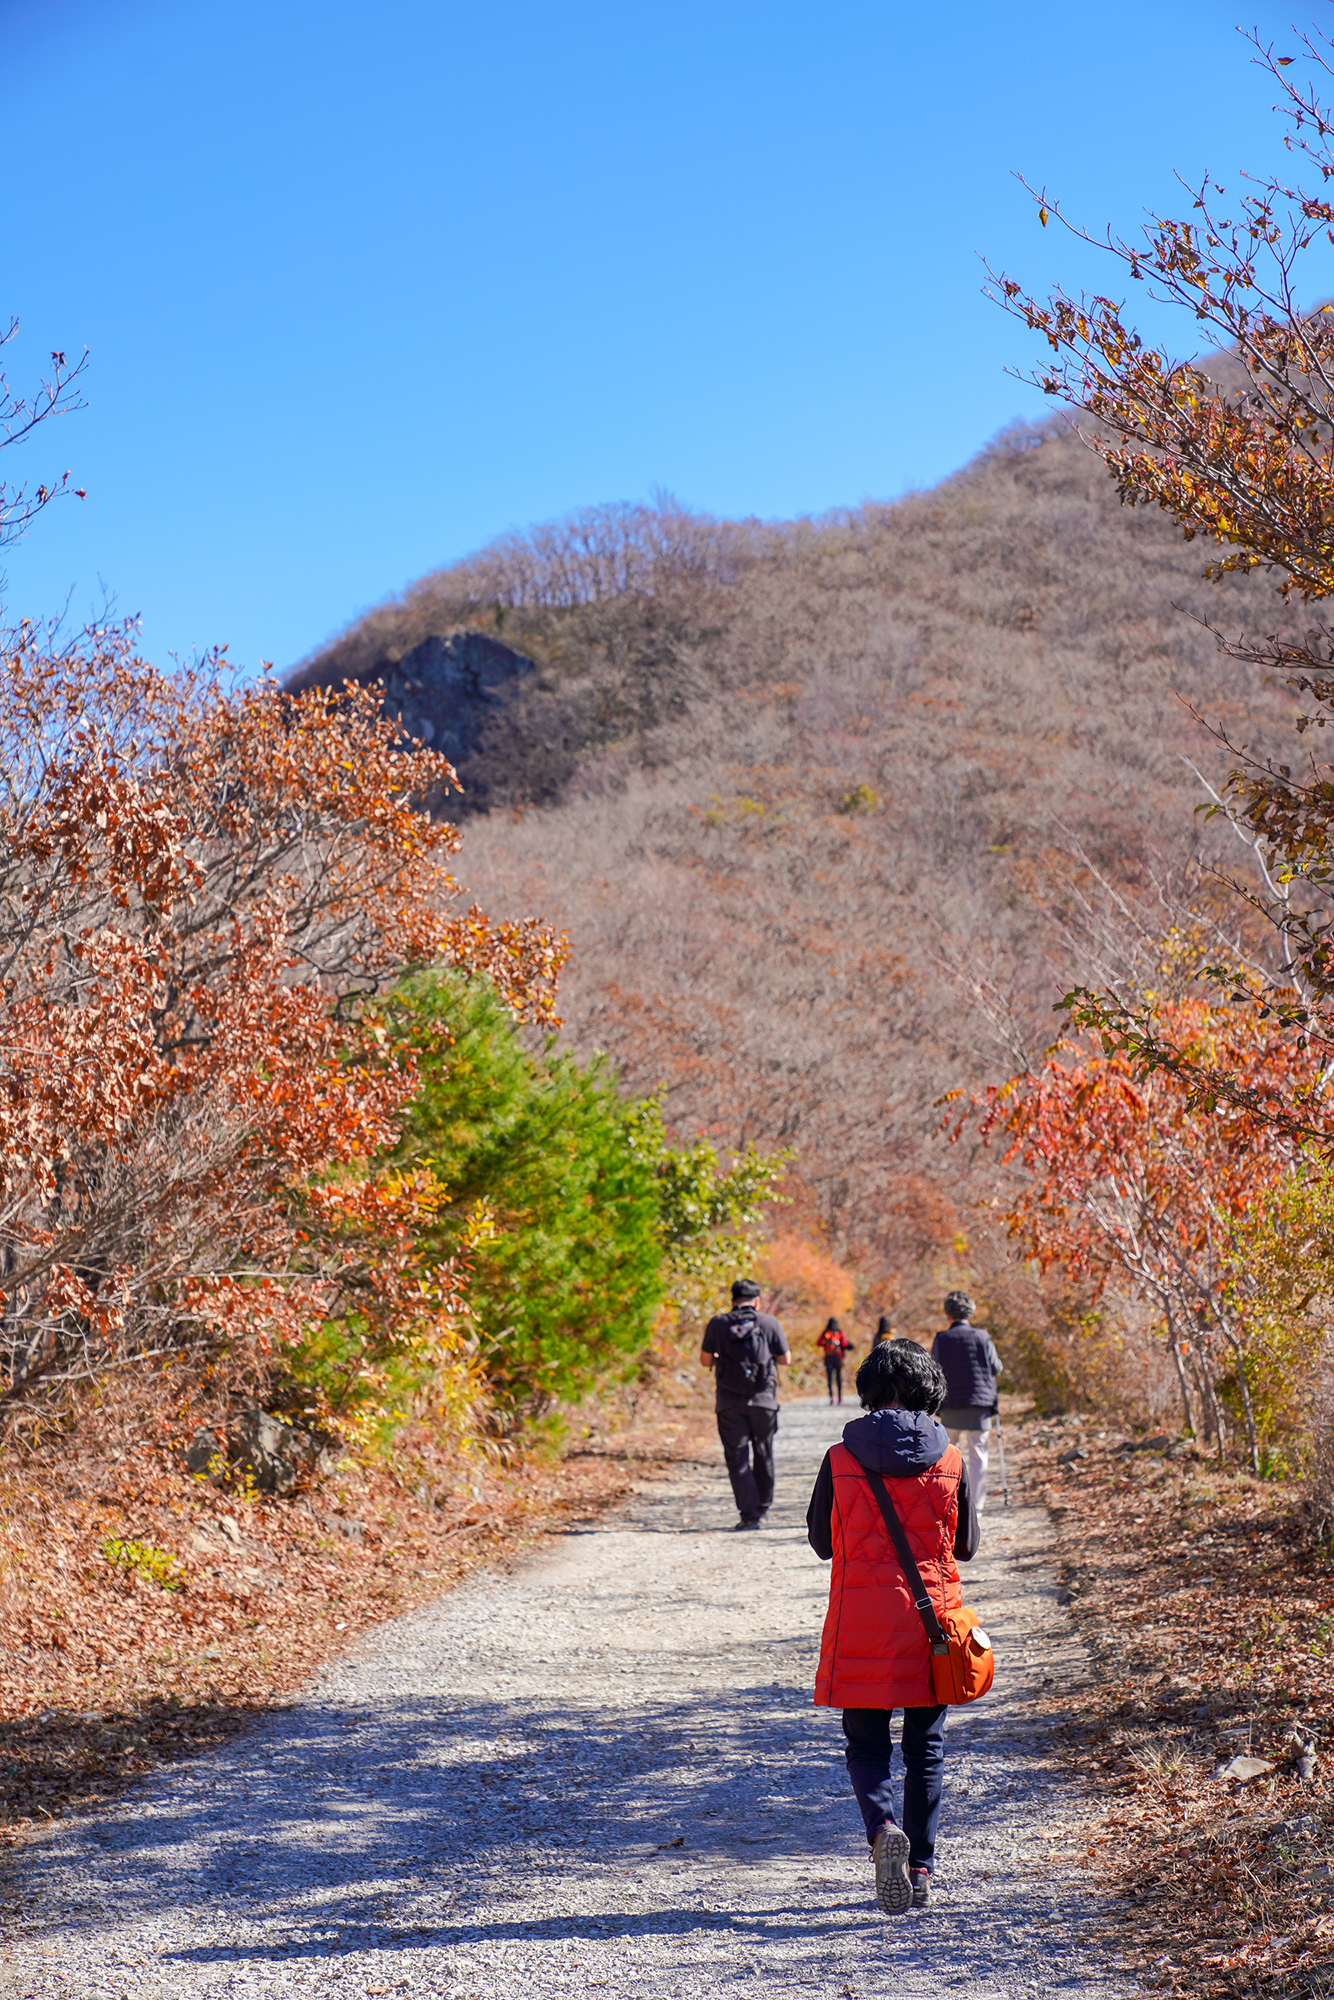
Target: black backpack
{"type": "Point", "coordinates": [743, 1364]}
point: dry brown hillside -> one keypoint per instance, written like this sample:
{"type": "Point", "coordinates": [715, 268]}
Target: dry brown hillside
{"type": "Point", "coordinates": [806, 797]}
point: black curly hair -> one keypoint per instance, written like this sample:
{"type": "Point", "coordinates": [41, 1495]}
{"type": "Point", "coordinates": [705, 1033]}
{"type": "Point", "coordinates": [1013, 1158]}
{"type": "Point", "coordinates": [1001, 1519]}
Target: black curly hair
{"type": "Point", "coordinates": [899, 1371]}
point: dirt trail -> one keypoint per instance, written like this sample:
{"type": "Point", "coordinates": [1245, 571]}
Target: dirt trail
{"type": "Point", "coordinates": [602, 1771]}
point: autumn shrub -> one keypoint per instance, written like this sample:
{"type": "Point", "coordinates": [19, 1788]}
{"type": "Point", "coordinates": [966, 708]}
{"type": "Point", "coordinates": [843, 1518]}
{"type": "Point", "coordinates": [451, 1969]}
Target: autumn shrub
{"type": "Point", "coordinates": [798, 1273]}
{"type": "Point", "coordinates": [1317, 1505]}
{"type": "Point", "coordinates": [199, 890]}
{"type": "Point", "coordinates": [1283, 1292]}
{"type": "Point", "coordinates": [804, 1285]}
{"type": "Point", "coordinates": [709, 1216]}
{"type": "Point", "coordinates": [1073, 1351]}
{"type": "Point", "coordinates": [1120, 1175]}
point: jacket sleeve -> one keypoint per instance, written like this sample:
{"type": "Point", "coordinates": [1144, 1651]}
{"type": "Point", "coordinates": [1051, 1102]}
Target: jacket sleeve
{"type": "Point", "coordinates": [968, 1528]}
{"type": "Point", "coordinates": [994, 1361]}
{"type": "Point", "coordinates": [820, 1513]}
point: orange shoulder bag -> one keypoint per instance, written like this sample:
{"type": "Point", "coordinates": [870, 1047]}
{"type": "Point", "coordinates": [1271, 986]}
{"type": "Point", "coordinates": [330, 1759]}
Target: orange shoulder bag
{"type": "Point", "coordinates": [962, 1662]}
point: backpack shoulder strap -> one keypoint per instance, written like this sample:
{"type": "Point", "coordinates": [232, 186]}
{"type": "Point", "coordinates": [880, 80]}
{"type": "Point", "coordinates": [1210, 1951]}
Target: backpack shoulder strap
{"type": "Point", "coordinates": [921, 1595]}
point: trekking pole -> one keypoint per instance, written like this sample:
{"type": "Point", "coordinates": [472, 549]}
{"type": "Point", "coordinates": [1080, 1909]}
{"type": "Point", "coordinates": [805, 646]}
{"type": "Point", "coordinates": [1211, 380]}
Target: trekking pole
{"type": "Point", "coordinates": [1000, 1447]}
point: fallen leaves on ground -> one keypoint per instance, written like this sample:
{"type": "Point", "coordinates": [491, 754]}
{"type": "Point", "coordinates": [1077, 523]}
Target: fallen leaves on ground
{"type": "Point", "coordinates": [1209, 1619]}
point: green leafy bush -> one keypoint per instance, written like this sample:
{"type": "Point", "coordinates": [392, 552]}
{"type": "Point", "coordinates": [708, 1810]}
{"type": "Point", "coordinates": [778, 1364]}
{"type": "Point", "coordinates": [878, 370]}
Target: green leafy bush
{"type": "Point", "coordinates": [708, 1217]}
{"type": "Point", "coordinates": [565, 1285]}
{"type": "Point", "coordinates": [154, 1565]}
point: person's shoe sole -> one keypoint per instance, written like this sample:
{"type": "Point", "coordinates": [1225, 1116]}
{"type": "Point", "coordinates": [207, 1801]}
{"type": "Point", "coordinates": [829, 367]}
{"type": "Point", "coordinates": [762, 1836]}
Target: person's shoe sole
{"type": "Point", "coordinates": [893, 1889]}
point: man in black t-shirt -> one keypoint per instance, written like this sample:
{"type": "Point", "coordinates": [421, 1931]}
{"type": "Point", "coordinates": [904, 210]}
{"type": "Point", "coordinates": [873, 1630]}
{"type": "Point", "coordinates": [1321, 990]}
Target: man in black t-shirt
{"type": "Point", "coordinates": [745, 1348]}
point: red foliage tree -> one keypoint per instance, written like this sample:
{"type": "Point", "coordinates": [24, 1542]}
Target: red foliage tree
{"type": "Point", "coordinates": [1126, 1172]}
{"type": "Point", "coordinates": [200, 891]}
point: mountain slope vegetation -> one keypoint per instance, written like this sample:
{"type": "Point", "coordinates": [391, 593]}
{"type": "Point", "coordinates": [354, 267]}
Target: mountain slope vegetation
{"type": "Point", "coordinates": [835, 811]}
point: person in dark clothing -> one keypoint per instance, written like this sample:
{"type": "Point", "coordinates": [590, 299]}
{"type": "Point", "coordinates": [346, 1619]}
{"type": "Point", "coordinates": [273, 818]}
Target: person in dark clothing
{"type": "Point", "coordinates": [834, 1344]}
{"type": "Point", "coordinates": [883, 1331]}
{"type": "Point", "coordinates": [745, 1348]}
{"type": "Point", "coordinates": [967, 1356]}
{"type": "Point", "coordinates": [874, 1653]}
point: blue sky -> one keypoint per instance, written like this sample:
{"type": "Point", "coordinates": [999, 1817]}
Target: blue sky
{"type": "Point", "coordinates": [365, 285]}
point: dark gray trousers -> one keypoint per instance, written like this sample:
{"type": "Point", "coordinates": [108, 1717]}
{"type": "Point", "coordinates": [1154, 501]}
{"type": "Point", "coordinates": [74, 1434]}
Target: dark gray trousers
{"type": "Point", "coordinates": [923, 1747]}
{"type": "Point", "coordinates": [748, 1446]}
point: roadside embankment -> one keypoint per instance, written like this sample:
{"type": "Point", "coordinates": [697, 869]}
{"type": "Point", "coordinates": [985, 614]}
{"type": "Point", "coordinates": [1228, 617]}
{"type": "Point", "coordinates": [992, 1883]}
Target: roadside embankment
{"type": "Point", "coordinates": [145, 1616]}
{"type": "Point", "coordinates": [1208, 1618]}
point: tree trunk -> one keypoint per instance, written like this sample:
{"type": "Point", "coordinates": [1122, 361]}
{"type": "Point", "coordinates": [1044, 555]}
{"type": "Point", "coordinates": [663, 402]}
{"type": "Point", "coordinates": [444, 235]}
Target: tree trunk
{"type": "Point", "coordinates": [1244, 1386]}
{"type": "Point", "coordinates": [1206, 1414]}
{"type": "Point", "coordinates": [1182, 1383]}
{"type": "Point", "coordinates": [1215, 1414]}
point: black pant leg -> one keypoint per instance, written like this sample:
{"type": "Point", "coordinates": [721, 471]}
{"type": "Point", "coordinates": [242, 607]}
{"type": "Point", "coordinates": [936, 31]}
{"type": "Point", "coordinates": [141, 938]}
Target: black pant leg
{"type": "Point", "coordinates": [923, 1780]}
{"type": "Point", "coordinates": [734, 1431]}
{"type": "Point", "coordinates": [869, 1751]}
{"type": "Point", "coordinates": [763, 1424]}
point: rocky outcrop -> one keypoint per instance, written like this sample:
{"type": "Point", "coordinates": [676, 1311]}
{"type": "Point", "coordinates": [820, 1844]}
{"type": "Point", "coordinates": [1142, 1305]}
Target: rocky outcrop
{"type": "Point", "coordinates": [261, 1447]}
{"type": "Point", "coordinates": [444, 691]}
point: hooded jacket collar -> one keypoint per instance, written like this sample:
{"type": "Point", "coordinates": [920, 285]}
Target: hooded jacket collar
{"type": "Point", "coordinates": [897, 1443]}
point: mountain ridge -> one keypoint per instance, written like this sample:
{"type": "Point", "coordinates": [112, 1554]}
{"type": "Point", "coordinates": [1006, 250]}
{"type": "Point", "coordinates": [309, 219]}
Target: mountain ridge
{"type": "Point", "coordinates": [844, 803]}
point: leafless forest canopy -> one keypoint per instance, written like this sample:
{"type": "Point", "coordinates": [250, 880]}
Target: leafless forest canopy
{"type": "Point", "coordinates": [835, 811]}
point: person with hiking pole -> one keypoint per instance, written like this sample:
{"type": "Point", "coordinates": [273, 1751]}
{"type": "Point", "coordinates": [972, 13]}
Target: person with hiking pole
{"type": "Point", "coordinates": [833, 1343]}
{"type": "Point", "coordinates": [971, 1364]}
{"type": "Point", "coordinates": [745, 1349]}
{"type": "Point", "coordinates": [893, 1512]}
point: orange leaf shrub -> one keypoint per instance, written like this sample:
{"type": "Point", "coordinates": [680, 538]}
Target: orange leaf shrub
{"type": "Point", "coordinates": [1128, 1172]}
{"type": "Point", "coordinates": [799, 1276]}
{"type": "Point", "coordinates": [199, 891]}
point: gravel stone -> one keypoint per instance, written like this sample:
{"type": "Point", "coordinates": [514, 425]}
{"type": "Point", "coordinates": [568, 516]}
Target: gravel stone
{"type": "Point", "coordinates": [601, 1771]}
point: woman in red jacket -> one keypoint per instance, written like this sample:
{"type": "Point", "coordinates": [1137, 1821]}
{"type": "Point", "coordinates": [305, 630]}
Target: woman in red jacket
{"type": "Point", "coordinates": [874, 1655]}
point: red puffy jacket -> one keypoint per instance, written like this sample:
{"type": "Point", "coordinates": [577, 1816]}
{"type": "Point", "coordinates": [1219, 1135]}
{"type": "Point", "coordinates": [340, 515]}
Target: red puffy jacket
{"type": "Point", "coordinates": [874, 1651]}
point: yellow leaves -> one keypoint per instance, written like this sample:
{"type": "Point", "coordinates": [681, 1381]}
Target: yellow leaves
{"type": "Point", "coordinates": [480, 1225]}
{"type": "Point", "coordinates": [1042, 217]}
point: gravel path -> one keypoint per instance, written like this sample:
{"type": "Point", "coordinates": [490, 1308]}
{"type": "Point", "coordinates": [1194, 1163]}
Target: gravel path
{"type": "Point", "coordinates": [602, 1771]}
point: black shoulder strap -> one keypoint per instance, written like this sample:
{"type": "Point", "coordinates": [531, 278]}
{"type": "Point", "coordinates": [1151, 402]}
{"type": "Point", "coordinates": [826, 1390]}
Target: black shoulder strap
{"type": "Point", "coordinates": [921, 1596]}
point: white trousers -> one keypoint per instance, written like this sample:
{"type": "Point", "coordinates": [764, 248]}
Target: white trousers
{"type": "Point", "coordinates": [974, 1446]}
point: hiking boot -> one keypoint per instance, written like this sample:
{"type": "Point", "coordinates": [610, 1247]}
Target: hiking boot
{"type": "Point", "coordinates": [893, 1890]}
{"type": "Point", "coordinates": [921, 1888]}
{"type": "Point", "coordinates": [745, 1522]}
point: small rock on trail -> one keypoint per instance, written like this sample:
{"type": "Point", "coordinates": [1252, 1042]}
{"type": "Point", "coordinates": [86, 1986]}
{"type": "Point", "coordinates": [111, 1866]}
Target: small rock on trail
{"type": "Point", "coordinates": [602, 1771]}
